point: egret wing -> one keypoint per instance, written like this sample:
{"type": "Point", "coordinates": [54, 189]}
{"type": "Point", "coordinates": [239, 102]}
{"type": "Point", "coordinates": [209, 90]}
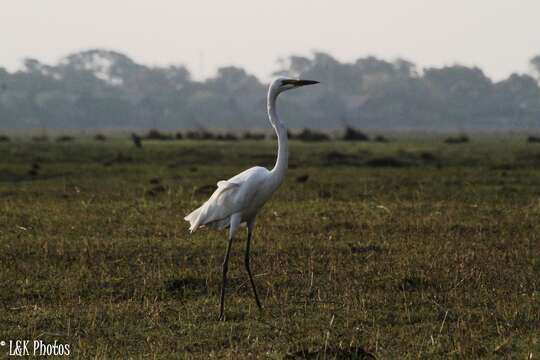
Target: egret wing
{"type": "Point", "coordinates": [230, 197]}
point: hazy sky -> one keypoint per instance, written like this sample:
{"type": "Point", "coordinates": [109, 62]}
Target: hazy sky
{"type": "Point", "coordinates": [498, 35]}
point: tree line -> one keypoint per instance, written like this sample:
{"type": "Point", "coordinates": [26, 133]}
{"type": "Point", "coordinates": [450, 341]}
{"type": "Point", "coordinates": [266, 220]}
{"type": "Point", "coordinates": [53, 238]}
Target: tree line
{"type": "Point", "coordinates": [100, 89]}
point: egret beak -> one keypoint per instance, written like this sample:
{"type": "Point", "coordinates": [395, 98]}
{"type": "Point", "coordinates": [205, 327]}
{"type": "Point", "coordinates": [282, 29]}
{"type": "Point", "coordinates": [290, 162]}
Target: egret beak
{"type": "Point", "coordinates": [298, 83]}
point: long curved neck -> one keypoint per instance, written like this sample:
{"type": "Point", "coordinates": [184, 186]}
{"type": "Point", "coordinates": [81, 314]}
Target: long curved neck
{"type": "Point", "coordinates": [279, 170]}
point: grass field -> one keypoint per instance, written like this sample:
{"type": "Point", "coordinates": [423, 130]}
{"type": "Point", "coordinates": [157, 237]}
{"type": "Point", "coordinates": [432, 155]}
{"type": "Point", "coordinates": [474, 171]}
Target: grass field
{"type": "Point", "coordinates": [409, 249]}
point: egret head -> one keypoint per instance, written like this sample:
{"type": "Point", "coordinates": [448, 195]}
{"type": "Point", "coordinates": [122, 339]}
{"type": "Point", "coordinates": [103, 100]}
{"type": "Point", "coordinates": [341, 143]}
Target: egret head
{"type": "Point", "coordinates": [281, 84]}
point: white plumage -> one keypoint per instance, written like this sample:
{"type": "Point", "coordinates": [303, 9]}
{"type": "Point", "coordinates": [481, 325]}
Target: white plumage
{"type": "Point", "coordinates": [239, 199]}
{"type": "Point", "coordinates": [242, 194]}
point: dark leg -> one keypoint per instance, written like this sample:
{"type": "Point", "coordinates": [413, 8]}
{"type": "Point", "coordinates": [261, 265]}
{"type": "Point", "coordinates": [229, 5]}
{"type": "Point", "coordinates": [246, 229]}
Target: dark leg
{"type": "Point", "coordinates": [224, 279]}
{"type": "Point", "coordinates": [246, 262]}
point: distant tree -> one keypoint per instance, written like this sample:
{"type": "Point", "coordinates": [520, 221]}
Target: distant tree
{"type": "Point", "coordinates": [102, 89]}
{"type": "Point", "coordinates": [535, 63]}
{"type": "Point", "coordinates": [517, 98]}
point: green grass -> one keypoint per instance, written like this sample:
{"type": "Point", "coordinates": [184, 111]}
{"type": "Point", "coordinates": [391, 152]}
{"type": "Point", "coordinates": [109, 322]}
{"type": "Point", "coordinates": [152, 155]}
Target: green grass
{"type": "Point", "coordinates": [411, 249]}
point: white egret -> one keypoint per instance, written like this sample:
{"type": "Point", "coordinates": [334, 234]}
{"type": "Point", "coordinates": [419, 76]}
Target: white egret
{"type": "Point", "coordinates": [239, 199]}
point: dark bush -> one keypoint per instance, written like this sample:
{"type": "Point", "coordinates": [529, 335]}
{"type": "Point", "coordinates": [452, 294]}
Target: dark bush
{"type": "Point", "coordinates": [352, 134]}
{"type": "Point", "coordinates": [40, 138]}
{"type": "Point", "coordinates": [100, 137]}
{"type": "Point", "coordinates": [252, 136]}
{"type": "Point", "coordinates": [200, 135]}
{"type": "Point", "coordinates": [227, 137]}
{"type": "Point", "coordinates": [4, 138]}
{"type": "Point", "coordinates": [302, 178]}
{"type": "Point", "coordinates": [312, 135]}
{"type": "Point", "coordinates": [457, 139]}
{"type": "Point", "coordinates": [385, 162]}
{"type": "Point", "coordinates": [156, 190]}
{"type": "Point", "coordinates": [64, 138]}
{"type": "Point", "coordinates": [154, 134]}
{"type": "Point", "coordinates": [381, 139]}
{"type": "Point", "coordinates": [179, 136]}
{"type": "Point", "coordinates": [34, 169]}
{"type": "Point", "coordinates": [427, 156]}
{"type": "Point", "coordinates": [533, 139]}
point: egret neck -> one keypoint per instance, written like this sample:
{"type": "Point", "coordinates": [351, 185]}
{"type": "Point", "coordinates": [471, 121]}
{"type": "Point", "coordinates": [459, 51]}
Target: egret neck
{"type": "Point", "coordinates": [282, 161]}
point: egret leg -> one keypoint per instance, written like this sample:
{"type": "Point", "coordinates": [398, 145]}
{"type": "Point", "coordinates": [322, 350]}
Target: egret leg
{"type": "Point", "coordinates": [246, 262]}
{"type": "Point", "coordinates": [224, 278]}
{"type": "Point", "coordinates": [233, 227]}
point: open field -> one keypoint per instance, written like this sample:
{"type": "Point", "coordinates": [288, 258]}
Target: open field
{"type": "Point", "coordinates": [408, 249]}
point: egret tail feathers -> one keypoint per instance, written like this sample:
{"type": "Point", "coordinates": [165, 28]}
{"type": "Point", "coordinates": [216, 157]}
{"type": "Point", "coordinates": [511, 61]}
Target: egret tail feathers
{"type": "Point", "coordinates": [193, 219]}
